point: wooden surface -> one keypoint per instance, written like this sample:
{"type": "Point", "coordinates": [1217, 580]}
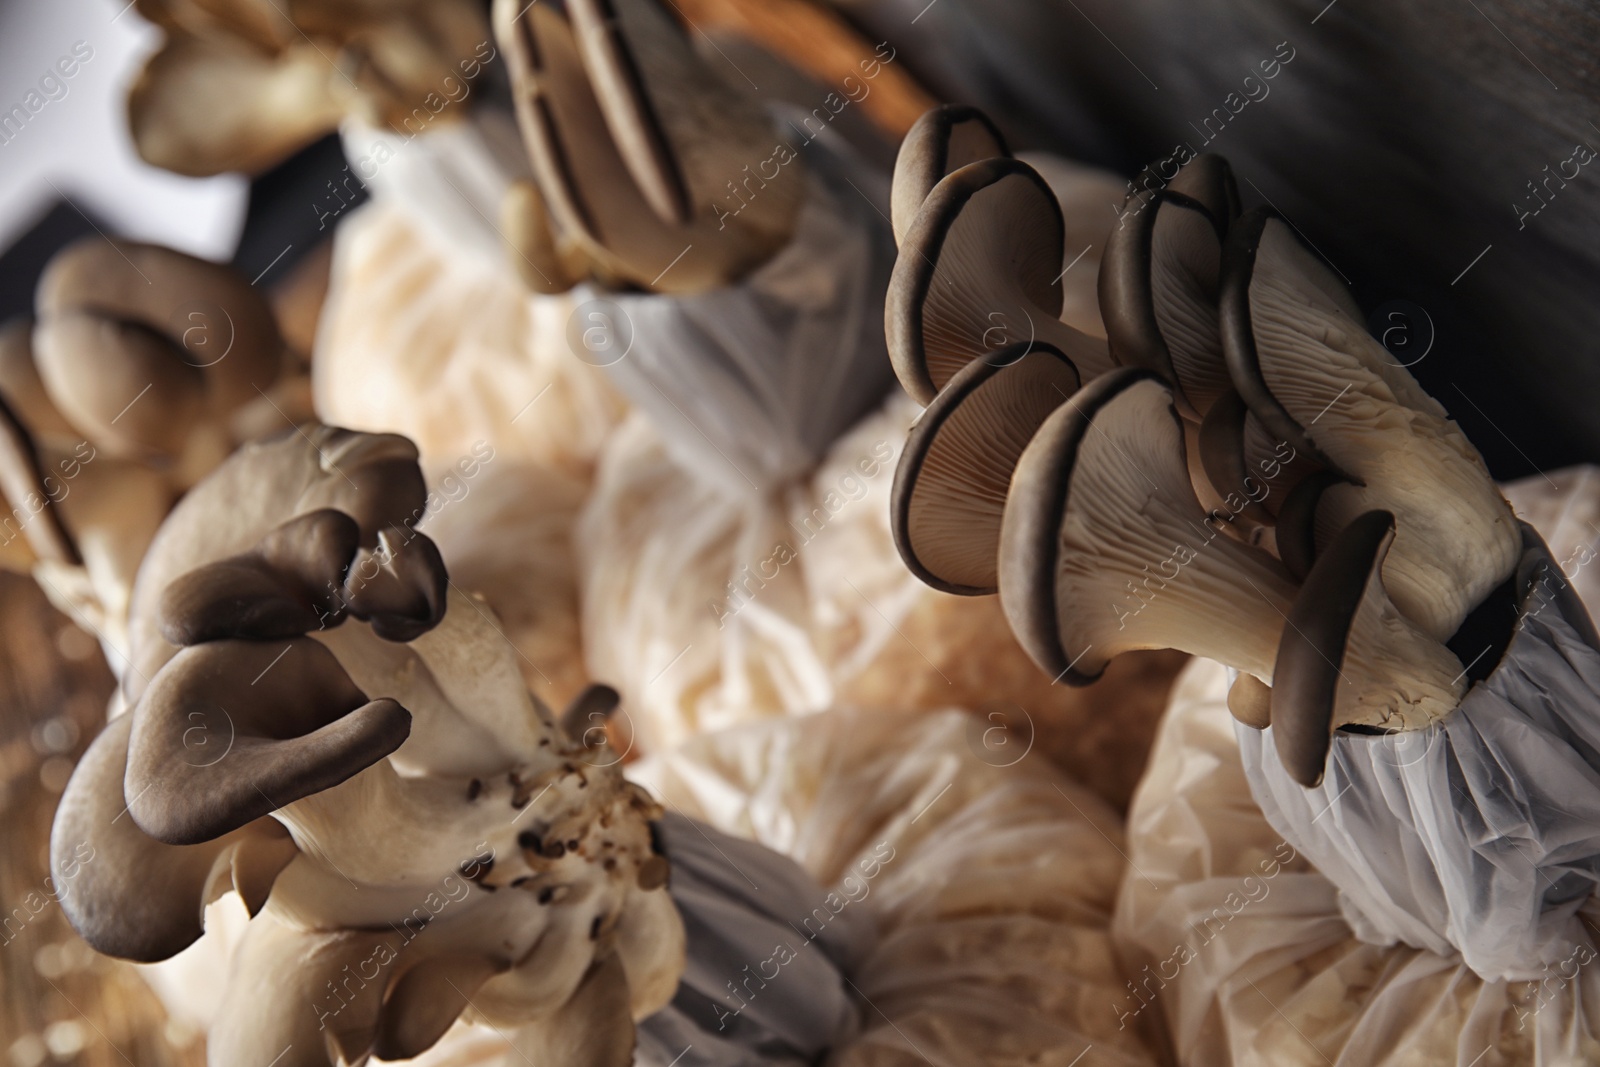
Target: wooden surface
{"type": "Point", "coordinates": [60, 1002]}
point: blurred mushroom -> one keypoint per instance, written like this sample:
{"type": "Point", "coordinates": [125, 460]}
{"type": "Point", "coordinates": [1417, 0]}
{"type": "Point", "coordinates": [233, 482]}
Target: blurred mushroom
{"type": "Point", "coordinates": [1299, 356]}
{"type": "Point", "coordinates": [147, 352]}
{"type": "Point", "coordinates": [1105, 549]}
{"type": "Point", "coordinates": [1318, 684]}
{"type": "Point", "coordinates": [240, 86]}
{"type": "Point", "coordinates": [642, 155]}
{"type": "Point", "coordinates": [980, 268]}
{"type": "Point", "coordinates": [951, 481]}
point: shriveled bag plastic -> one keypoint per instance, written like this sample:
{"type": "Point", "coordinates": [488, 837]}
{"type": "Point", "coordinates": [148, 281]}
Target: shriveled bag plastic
{"type": "Point", "coordinates": [1239, 952]}
{"type": "Point", "coordinates": [1480, 834]}
{"type": "Point", "coordinates": [989, 887]}
{"type": "Point", "coordinates": [1247, 951]}
{"type": "Point", "coordinates": [740, 393]}
{"type": "Point", "coordinates": [449, 352]}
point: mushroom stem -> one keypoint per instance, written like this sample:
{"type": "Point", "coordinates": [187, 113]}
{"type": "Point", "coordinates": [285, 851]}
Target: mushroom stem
{"type": "Point", "coordinates": [1105, 549]}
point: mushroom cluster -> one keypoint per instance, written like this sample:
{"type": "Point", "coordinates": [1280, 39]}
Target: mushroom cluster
{"type": "Point", "coordinates": [636, 144]}
{"type": "Point", "coordinates": [1244, 473]}
{"type": "Point", "coordinates": [241, 85]}
{"type": "Point", "coordinates": [322, 722]}
{"type": "Point", "coordinates": [141, 370]}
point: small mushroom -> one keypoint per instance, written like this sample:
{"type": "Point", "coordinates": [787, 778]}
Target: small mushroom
{"type": "Point", "coordinates": [1327, 658]}
{"type": "Point", "coordinates": [1159, 281]}
{"type": "Point", "coordinates": [979, 269]}
{"type": "Point", "coordinates": [642, 156]}
{"type": "Point", "coordinates": [942, 140]}
{"type": "Point", "coordinates": [950, 486]}
{"type": "Point", "coordinates": [35, 514]}
{"type": "Point", "coordinates": [1312, 375]}
{"type": "Point", "coordinates": [1250, 701]}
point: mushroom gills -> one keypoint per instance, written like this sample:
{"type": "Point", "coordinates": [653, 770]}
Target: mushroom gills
{"type": "Point", "coordinates": [980, 268]}
{"type": "Point", "coordinates": [1349, 658]}
{"type": "Point", "coordinates": [1311, 374]}
{"type": "Point", "coordinates": [950, 486]}
{"type": "Point", "coordinates": [1105, 549]}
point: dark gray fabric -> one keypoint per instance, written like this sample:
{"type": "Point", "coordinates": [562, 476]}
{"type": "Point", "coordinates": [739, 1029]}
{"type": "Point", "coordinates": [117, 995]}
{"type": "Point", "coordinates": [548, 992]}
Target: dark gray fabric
{"type": "Point", "coordinates": [768, 959]}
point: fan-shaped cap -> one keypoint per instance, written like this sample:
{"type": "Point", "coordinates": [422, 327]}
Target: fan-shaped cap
{"type": "Point", "coordinates": [1159, 280]}
{"type": "Point", "coordinates": [278, 724]}
{"type": "Point", "coordinates": [130, 895]}
{"type": "Point", "coordinates": [115, 317]}
{"type": "Point", "coordinates": [950, 487]}
{"type": "Point", "coordinates": [944, 139]}
{"type": "Point", "coordinates": [980, 268]}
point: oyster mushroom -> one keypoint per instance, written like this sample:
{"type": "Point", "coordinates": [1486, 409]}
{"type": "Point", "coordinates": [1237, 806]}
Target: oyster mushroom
{"type": "Point", "coordinates": [950, 485]}
{"type": "Point", "coordinates": [147, 352]}
{"type": "Point", "coordinates": [130, 895]}
{"type": "Point", "coordinates": [1104, 549]}
{"type": "Point", "coordinates": [1159, 280]}
{"type": "Point", "coordinates": [980, 268]}
{"type": "Point", "coordinates": [449, 848]}
{"type": "Point", "coordinates": [1316, 689]}
{"type": "Point", "coordinates": [642, 155]}
{"type": "Point", "coordinates": [1311, 374]}
{"type": "Point", "coordinates": [944, 139]}
{"type": "Point", "coordinates": [242, 86]}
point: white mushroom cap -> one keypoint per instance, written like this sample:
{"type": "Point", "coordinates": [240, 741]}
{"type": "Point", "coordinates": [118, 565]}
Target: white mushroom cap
{"type": "Point", "coordinates": [1314, 377]}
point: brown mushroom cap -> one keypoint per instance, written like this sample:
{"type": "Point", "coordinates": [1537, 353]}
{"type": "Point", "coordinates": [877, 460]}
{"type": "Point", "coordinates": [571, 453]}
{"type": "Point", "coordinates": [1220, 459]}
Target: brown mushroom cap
{"type": "Point", "coordinates": [125, 384]}
{"type": "Point", "coordinates": [629, 71]}
{"type": "Point", "coordinates": [31, 506]}
{"type": "Point", "coordinates": [294, 722]}
{"type": "Point", "coordinates": [980, 268]}
{"type": "Point", "coordinates": [1208, 179]}
{"type": "Point", "coordinates": [1159, 281]}
{"type": "Point", "coordinates": [130, 895]}
{"type": "Point", "coordinates": [950, 486]}
{"type": "Point", "coordinates": [944, 139]}
{"type": "Point", "coordinates": [21, 387]}
{"type": "Point", "coordinates": [1347, 657]}
{"type": "Point", "coordinates": [216, 322]}
{"type": "Point", "coordinates": [372, 478]}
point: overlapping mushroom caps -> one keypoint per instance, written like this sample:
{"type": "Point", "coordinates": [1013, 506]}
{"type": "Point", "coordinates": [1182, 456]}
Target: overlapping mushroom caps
{"type": "Point", "coordinates": [139, 375]}
{"type": "Point", "coordinates": [644, 159]}
{"type": "Point", "coordinates": [1261, 484]}
{"type": "Point", "coordinates": [241, 84]}
{"type": "Point", "coordinates": [981, 259]}
{"type": "Point", "coordinates": [322, 722]}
